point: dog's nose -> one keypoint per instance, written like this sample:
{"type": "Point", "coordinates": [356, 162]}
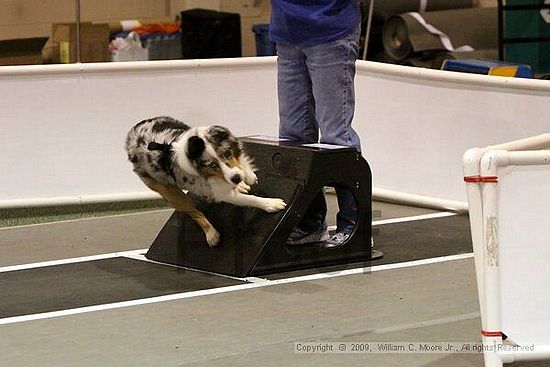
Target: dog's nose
{"type": "Point", "coordinates": [236, 179]}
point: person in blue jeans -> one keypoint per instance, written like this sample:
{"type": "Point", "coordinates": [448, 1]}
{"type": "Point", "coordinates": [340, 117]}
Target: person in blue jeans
{"type": "Point", "coordinates": [317, 46]}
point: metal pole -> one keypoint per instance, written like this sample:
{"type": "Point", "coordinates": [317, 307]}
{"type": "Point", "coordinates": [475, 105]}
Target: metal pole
{"type": "Point", "coordinates": [367, 33]}
{"type": "Point", "coordinates": [500, 16]}
{"type": "Point", "coordinates": [77, 10]}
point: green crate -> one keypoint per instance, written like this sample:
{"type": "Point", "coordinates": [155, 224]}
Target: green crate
{"type": "Point", "coordinates": [527, 24]}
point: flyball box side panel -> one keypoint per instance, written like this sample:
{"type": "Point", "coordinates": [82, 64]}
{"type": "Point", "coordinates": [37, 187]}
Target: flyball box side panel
{"type": "Point", "coordinates": [254, 242]}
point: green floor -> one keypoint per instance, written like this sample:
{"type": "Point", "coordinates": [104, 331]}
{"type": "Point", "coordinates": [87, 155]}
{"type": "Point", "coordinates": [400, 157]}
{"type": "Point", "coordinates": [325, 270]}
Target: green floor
{"type": "Point", "coordinates": [26, 216]}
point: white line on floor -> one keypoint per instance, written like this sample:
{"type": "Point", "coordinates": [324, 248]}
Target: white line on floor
{"type": "Point", "coordinates": [413, 218]}
{"type": "Point", "coordinates": [406, 219]}
{"type": "Point", "coordinates": [427, 323]}
{"type": "Point", "coordinates": [137, 252]}
{"type": "Point", "coordinates": [141, 257]}
{"type": "Point", "coordinates": [71, 260]}
{"type": "Point", "coordinates": [385, 221]}
{"type": "Point", "coordinates": [265, 283]}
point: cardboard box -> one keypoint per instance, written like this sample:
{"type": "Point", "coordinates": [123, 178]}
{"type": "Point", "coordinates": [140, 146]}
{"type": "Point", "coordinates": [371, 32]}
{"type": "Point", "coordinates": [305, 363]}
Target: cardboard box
{"type": "Point", "coordinates": [26, 51]}
{"type": "Point", "coordinates": [94, 42]}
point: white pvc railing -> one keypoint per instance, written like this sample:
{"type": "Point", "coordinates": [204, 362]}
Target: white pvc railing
{"type": "Point", "coordinates": [507, 247]}
{"type": "Point", "coordinates": [63, 126]}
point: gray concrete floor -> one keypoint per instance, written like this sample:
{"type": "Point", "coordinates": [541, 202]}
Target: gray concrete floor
{"type": "Point", "coordinates": [251, 327]}
{"type": "Point", "coordinates": [98, 235]}
{"type": "Point", "coordinates": [81, 237]}
{"type": "Point", "coordinates": [259, 327]}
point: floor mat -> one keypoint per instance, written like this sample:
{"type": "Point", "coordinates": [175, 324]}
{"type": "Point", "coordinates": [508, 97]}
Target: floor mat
{"type": "Point", "coordinates": [120, 279]}
{"type": "Point", "coordinates": [409, 241]}
{"type": "Point", "coordinates": [423, 239]}
{"type": "Point", "coordinates": [96, 282]}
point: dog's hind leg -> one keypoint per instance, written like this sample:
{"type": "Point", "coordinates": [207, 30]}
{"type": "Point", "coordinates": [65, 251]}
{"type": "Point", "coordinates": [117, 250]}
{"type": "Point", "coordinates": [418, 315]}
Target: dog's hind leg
{"type": "Point", "coordinates": [179, 201]}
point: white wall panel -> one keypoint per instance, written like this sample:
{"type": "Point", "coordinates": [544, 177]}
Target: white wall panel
{"type": "Point", "coordinates": [63, 126]}
{"type": "Point", "coordinates": [416, 124]}
{"type": "Point", "coordinates": [524, 252]}
{"type": "Point", "coordinates": [63, 132]}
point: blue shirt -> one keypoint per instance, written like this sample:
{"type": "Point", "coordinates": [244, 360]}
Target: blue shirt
{"type": "Point", "coordinates": [312, 22]}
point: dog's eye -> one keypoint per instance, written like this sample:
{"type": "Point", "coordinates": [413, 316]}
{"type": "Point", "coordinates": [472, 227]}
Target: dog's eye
{"type": "Point", "coordinates": [213, 165]}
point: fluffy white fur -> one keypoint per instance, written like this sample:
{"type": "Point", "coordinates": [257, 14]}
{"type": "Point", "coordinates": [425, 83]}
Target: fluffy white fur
{"type": "Point", "coordinates": [169, 156]}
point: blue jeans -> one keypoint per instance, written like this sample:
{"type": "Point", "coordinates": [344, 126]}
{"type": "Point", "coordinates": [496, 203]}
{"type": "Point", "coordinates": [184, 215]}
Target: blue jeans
{"type": "Point", "coordinates": [316, 92]}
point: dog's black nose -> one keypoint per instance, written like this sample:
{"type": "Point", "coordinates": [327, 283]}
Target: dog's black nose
{"type": "Point", "coordinates": [236, 179]}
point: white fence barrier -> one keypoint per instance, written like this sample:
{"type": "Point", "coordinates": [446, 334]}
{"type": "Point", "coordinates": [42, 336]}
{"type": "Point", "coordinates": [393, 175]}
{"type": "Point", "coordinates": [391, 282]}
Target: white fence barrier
{"type": "Point", "coordinates": [63, 126]}
{"type": "Point", "coordinates": [508, 189]}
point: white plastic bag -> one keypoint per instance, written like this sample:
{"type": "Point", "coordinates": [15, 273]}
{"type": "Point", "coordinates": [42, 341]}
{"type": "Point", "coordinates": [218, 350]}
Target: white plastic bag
{"type": "Point", "coordinates": [128, 49]}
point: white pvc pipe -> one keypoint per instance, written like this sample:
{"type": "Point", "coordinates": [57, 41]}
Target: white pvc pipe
{"type": "Point", "coordinates": [528, 158]}
{"type": "Point", "coordinates": [470, 164]}
{"type": "Point", "coordinates": [393, 196]}
{"type": "Point", "coordinates": [137, 66]}
{"type": "Point", "coordinates": [362, 67]}
{"type": "Point", "coordinates": [471, 168]}
{"type": "Point", "coordinates": [78, 200]}
{"type": "Point", "coordinates": [484, 216]}
{"type": "Point", "coordinates": [378, 194]}
{"type": "Point", "coordinates": [433, 75]}
{"type": "Point", "coordinates": [491, 275]}
{"type": "Point", "coordinates": [541, 141]}
{"type": "Point", "coordinates": [493, 160]}
{"type": "Point", "coordinates": [487, 248]}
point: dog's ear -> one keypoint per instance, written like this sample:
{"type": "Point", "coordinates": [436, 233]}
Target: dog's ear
{"type": "Point", "coordinates": [236, 148]}
{"type": "Point", "coordinates": [195, 147]}
{"type": "Point", "coordinates": [160, 147]}
{"type": "Point", "coordinates": [218, 134]}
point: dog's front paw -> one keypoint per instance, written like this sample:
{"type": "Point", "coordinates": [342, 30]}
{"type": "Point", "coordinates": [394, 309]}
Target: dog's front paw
{"type": "Point", "coordinates": [213, 237]}
{"type": "Point", "coordinates": [243, 188]}
{"type": "Point", "coordinates": [251, 179]}
{"type": "Point", "coordinates": [272, 205]}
